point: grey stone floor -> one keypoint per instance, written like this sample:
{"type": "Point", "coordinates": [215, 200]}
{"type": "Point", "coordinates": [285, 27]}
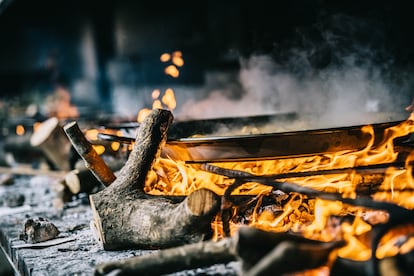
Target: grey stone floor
{"type": "Point", "coordinates": [76, 257]}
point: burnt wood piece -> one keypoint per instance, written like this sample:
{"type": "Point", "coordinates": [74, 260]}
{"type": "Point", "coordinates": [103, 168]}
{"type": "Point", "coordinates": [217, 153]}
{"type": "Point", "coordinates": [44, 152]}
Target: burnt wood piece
{"type": "Point", "coordinates": [400, 264]}
{"type": "Point", "coordinates": [267, 253]}
{"type": "Point", "coordinates": [91, 158]}
{"type": "Point", "coordinates": [249, 245]}
{"type": "Point", "coordinates": [126, 217]}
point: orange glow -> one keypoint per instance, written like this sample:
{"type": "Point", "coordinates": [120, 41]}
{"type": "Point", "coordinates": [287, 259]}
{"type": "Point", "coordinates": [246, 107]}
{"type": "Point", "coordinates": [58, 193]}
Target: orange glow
{"type": "Point", "coordinates": [20, 130]}
{"type": "Point", "coordinates": [178, 61]}
{"type": "Point", "coordinates": [115, 146]}
{"type": "Point", "coordinates": [177, 54]}
{"type": "Point", "coordinates": [36, 126]}
{"type": "Point", "coordinates": [155, 94]}
{"type": "Point", "coordinates": [100, 149]}
{"type": "Point", "coordinates": [165, 57]}
{"type": "Point", "coordinates": [156, 104]}
{"type": "Point", "coordinates": [92, 134]}
{"type": "Point", "coordinates": [172, 71]}
{"type": "Point", "coordinates": [313, 218]}
{"type": "Point", "coordinates": [169, 99]}
{"type": "Point", "coordinates": [142, 114]}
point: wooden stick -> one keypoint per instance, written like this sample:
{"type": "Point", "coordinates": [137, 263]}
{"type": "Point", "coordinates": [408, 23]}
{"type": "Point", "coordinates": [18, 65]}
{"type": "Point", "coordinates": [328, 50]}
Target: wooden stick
{"type": "Point", "coordinates": [91, 158]}
{"type": "Point", "coordinates": [81, 181]}
{"type": "Point", "coordinates": [126, 217]}
{"type": "Point", "coordinates": [51, 139]}
{"type": "Point", "coordinates": [249, 245]}
{"type": "Point", "coordinates": [368, 169]}
{"type": "Point", "coordinates": [174, 259]}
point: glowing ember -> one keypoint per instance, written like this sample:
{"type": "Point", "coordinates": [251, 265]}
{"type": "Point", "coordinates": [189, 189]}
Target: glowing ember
{"type": "Point", "coordinates": [167, 102]}
{"type": "Point", "coordinates": [20, 130]}
{"type": "Point", "coordinates": [92, 136]}
{"type": "Point", "coordinates": [172, 71]}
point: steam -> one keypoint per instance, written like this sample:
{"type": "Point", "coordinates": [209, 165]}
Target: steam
{"type": "Point", "coordinates": [334, 80]}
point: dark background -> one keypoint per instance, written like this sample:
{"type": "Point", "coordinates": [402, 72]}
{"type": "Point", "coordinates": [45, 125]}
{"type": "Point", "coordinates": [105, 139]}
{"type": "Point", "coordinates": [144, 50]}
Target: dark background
{"type": "Point", "coordinates": [47, 41]}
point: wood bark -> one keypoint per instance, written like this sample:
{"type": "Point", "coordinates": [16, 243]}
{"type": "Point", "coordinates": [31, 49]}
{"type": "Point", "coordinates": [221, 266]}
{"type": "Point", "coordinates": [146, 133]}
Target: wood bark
{"type": "Point", "coordinates": [175, 259]}
{"type": "Point", "coordinates": [91, 158]}
{"type": "Point", "coordinates": [51, 139]}
{"type": "Point", "coordinates": [81, 181]}
{"type": "Point", "coordinates": [126, 217]}
{"type": "Point", "coordinates": [253, 247]}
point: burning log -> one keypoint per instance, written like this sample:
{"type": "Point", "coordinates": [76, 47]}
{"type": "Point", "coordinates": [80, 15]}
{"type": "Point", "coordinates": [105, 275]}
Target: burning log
{"type": "Point", "coordinates": [401, 264]}
{"type": "Point", "coordinates": [126, 217]}
{"type": "Point", "coordinates": [250, 245]}
{"type": "Point", "coordinates": [397, 215]}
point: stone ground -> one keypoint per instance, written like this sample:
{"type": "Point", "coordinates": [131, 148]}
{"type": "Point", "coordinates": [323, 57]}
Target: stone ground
{"type": "Point", "coordinates": [76, 257]}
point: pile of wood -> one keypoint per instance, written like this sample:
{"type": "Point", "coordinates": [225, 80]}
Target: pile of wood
{"type": "Point", "coordinates": [180, 228]}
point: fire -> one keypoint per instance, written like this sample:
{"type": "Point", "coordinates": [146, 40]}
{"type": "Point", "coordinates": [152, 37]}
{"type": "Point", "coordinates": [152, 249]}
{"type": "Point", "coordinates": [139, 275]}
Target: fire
{"type": "Point", "coordinates": [20, 130]}
{"type": "Point", "coordinates": [167, 101]}
{"type": "Point", "coordinates": [177, 61]}
{"type": "Point", "coordinates": [99, 147]}
{"type": "Point", "coordinates": [313, 218]}
{"type": "Point", "coordinates": [172, 71]}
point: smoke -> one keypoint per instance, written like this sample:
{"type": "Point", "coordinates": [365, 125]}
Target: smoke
{"type": "Point", "coordinates": [334, 73]}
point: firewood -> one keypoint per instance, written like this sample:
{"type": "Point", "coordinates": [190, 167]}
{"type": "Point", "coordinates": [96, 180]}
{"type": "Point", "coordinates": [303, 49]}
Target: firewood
{"type": "Point", "coordinates": [91, 158]}
{"type": "Point", "coordinates": [51, 139]}
{"type": "Point", "coordinates": [82, 180]}
{"type": "Point", "coordinates": [400, 264]}
{"type": "Point", "coordinates": [62, 194]}
{"type": "Point", "coordinates": [249, 245]}
{"type": "Point", "coordinates": [174, 259]}
{"type": "Point", "coordinates": [126, 217]}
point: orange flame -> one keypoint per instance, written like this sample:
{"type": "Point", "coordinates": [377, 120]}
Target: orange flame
{"type": "Point", "coordinates": [313, 218]}
{"type": "Point", "coordinates": [20, 130]}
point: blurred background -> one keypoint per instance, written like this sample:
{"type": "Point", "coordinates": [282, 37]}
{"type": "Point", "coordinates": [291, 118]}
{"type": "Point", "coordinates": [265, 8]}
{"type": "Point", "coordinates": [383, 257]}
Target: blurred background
{"type": "Point", "coordinates": [88, 59]}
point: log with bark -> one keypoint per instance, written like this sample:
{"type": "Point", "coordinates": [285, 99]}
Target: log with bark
{"type": "Point", "coordinates": [51, 139]}
{"type": "Point", "coordinates": [92, 160]}
{"type": "Point", "coordinates": [126, 217]}
{"type": "Point", "coordinates": [252, 247]}
{"type": "Point", "coordinates": [82, 180]}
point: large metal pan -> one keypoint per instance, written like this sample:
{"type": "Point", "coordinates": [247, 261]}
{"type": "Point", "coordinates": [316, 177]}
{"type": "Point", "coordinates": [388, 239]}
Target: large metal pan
{"type": "Point", "coordinates": [269, 145]}
{"type": "Point", "coordinates": [274, 145]}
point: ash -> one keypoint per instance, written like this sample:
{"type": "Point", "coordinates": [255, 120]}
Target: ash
{"type": "Point", "coordinates": [76, 257]}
